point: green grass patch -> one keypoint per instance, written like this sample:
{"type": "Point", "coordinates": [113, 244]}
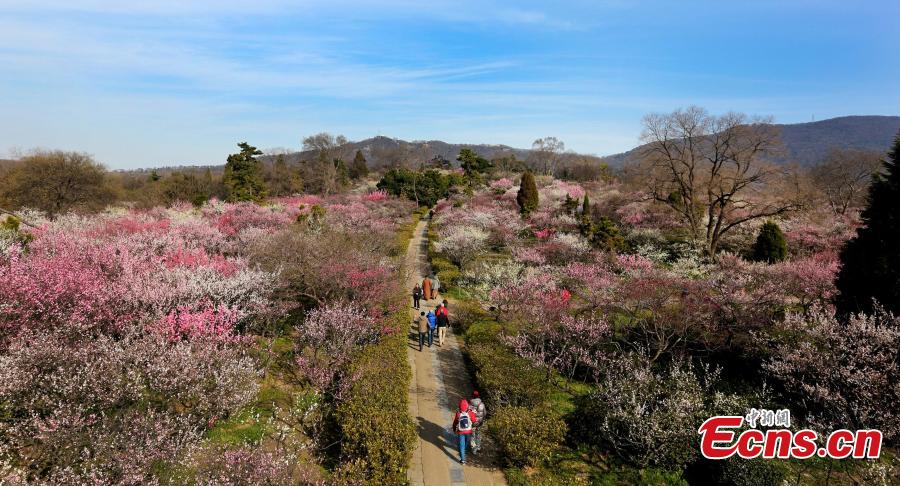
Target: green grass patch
{"type": "Point", "coordinates": [247, 427]}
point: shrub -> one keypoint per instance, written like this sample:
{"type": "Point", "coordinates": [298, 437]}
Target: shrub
{"type": "Point", "coordinates": [378, 433]}
{"type": "Point", "coordinates": [506, 378]}
{"type": "Point", "coordinates": [482, 333]}
{"type": "Point", "coordinates": [770, 247]}
{"type": "Point", "coordinates": [326, 341]}
{"type": "Point", "coordinates": [448, 278]}
{"type": "Point", "coordinates": [441, 263]}
{"type": "Point", "coordinates": [526, 436]}
{"type": "Point", "coordinates": [606, 236]}
{"type": "Point", "coordinates": [756, 472]}
{"type": "Point", "coordinates": [466, 313]}
{"type": "Point", "coordinates": [406, 230]}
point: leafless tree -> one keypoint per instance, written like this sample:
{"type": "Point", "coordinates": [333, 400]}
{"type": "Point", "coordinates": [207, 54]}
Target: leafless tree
{"type": "Point", "coordinates": [545, 154]}
{"type": "Point", "coordinates": [710, 170]}
{"type": "Point", "coordinates": [844, 177]}
{"type": "Point", "coordinates": [325, 145]}
{"type": "Point", "coordinates": [322, 174]}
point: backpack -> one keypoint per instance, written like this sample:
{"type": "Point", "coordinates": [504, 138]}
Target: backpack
{"type": "Point", "coordinates": [464, 424]}
{"type": "Point", "coordinates": [478, 405]}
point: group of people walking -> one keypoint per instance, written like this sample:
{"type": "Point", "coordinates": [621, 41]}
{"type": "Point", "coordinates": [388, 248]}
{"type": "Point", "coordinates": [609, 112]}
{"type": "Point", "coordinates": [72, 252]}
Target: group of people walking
{"type": "Point", "coordinates": [471, 413]}
{"type": "Point", "coordinates": [434, 322]}
{"type": "Point", "coordinates": [427, 291]}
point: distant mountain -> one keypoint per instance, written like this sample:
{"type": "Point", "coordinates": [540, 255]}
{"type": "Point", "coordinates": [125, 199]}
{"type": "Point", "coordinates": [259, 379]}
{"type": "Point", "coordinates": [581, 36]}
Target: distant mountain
{"type": "Point", "coordinates": [381, 150]}
{"type": "Point", "coordinates": [807, 144]}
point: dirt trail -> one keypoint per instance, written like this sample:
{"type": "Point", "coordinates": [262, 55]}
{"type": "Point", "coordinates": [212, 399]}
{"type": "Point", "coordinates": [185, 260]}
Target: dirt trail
{"type": "Point", "coordinates": [439, 381]}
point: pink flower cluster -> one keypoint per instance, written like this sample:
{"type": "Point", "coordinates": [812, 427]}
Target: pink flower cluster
{"type": "Point", "coordinates": [502, 184]}
{"type": "Point", "coordinates": [376, 196]}
{"type": "Point", "coordinates": [185, 323]}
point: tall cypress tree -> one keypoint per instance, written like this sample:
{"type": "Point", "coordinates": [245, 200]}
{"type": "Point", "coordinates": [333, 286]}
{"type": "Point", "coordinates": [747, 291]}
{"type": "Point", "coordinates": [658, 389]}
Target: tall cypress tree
{"type": "Point", "coordinates": [243, 176]}
{"type": "Point", "coordinates": [528, 194]}
{"type": "Point", "coordinates": [870, 262]}
{"type": "Point", "coordinates": [586, 222]}
{"type": "Point", "coordinates": [358, 167]}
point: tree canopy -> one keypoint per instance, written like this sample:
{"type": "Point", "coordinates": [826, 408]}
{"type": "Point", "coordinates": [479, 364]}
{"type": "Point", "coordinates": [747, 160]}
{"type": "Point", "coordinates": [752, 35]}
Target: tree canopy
{"type": "Point", "coordinates": [870, 269]}
{"type": "Point", "coordinates": [710, 170]}
{"type": "Point", "coordinates": [244, 175]}
{"type": "Point", "coordinates": [57, 182]}
{"type": "Point", "coordinates": [425, 187]}
{"type": "Point", "coordinates": [472, 163]}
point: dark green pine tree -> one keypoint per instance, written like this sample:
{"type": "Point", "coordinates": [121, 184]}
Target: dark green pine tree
{"type": "Point", "coordinates": [569, 205]}
{"type": "Point", "coordinates": [243, 176]}
{"type": "Point", "coordinates": [341, 173]}
{"type": "Point", "coordinates": [870, 262]}
{"type": "Point", "coordinates": [606, 236]}
{"type": "Point", "coordinates": [586, 222]}
{"type": "Point", "coordinates": [770, 246]}
{"type": "Point", "coordinates": [528, 194]}
{"type": "Point", "coordinates": [472, 163]}
{"type": "Point", "coordinates": [358, 168]}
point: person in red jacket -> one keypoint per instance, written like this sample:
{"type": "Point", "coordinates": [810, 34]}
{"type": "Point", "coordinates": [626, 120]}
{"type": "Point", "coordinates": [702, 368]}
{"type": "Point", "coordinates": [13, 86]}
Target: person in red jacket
{"type": "Point", "coordinates": [463, 425]}
{"type": "Point", "coordinates": [442, 322]}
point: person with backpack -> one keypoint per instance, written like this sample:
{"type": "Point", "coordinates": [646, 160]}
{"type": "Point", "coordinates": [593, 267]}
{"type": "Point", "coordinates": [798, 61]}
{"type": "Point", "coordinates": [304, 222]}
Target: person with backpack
{"type": "Point", "coordinates": [432, 323]}
{"type": "Point", "coordinates": [442, 322]}
{"type": "Point", "coordinates": [416, 295]}
{"type": "Point", "coordinates": [435, 286]}
{"type": "Point", "coordinates": [422, 324]}
{"type": "Point", "coordinates": [477, 406]}
{"type": "Point", "coordinates": [463, 424]}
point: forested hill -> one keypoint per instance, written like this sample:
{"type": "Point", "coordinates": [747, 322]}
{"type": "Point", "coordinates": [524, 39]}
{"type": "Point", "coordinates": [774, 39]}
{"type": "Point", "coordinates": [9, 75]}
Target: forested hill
{"type": "Point", "coordinates": [808, 143]}
{"type": "Point", "coordinates": [381, 150]}
{"type": "Point", "coordinates": [805, 143]}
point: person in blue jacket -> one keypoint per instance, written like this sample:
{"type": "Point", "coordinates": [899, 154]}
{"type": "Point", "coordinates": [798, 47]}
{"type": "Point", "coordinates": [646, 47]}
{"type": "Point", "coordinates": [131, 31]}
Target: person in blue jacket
{"type": "Point", "coordinates": [432, 324]}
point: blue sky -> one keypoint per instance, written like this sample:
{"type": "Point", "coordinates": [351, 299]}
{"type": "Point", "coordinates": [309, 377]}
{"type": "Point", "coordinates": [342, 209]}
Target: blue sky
{"type": "Point", "coordinates": [167, 82]}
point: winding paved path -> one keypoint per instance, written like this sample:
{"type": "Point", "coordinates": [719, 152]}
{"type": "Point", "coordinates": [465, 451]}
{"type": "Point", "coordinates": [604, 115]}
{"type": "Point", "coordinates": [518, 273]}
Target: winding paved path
{"type": "Point", "coordinates": [439, 380]}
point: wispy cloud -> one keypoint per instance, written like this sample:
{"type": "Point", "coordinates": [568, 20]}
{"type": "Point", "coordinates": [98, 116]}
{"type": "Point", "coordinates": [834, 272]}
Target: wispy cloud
{"type": "Point", "coordinates": [148, 81]}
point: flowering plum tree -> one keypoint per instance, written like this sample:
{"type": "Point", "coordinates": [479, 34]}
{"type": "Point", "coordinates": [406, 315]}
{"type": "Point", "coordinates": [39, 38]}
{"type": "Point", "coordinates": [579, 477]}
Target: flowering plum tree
{"type": "Point", "coordinates": [84, 406]}
{"type": "Point", "coordinates": [327, 340]}
{"type": "Point", "coordinates": [843, 374]}
{"type": "Point", "coordinates": [570, 346]}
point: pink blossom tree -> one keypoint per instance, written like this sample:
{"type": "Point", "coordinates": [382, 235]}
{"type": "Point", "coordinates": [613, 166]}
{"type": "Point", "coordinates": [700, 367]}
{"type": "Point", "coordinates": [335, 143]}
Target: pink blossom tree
{"type": "Point", "coordinates": [327, 340]}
